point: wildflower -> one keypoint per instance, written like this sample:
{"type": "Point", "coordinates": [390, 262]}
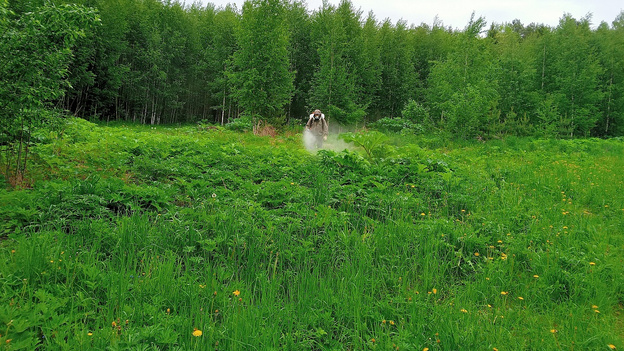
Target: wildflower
{"type": "Point", "coordinates": [596, 311]}
{"type": "Point", "coordinates": [463, 310]}
{"type": "Point", "coordinates": [197, 332]}
{"type": "Point", "coordinates": [435, 291]}
{"type": "Point", "coordinates": [592, 263]}
{"type": "Point", "coordinates": [89, 333]}
{"type": "Point", "coordinates": [114, 324]}
{"type": "Point", "coordinates": [373, 340]}
{"type": "Point", "coordinates": [495, 349]}
{"type": "Point", "coordinates": [426, 349]}
{"type": "Point", "coordinates": [214, 195]}
{"type": "Point", "coordinates": [202, 286]}
{"type": "Point", "coordinates": [611, 346]}
{"type": "Point", "coordinates": [8, 340]}
{"type": "Point", "coordinates": [391, 322]}
{"type": "Point", "coordinates": [292, 183]}
{"type": "Point", "coordinates": [503, 293]}
{"type": "Point", "coordinates": [12, 251]}
{"type": "Point", "coordinates": [520, 298]}
{"type": "Point", "coordinates": [553, 331]}
{"type": "Point", "coordinates": [535, 276]}
{"type": "Point", "coordinates": [594, 307]}
{"type": "Point", "coordinates": [236, 293]}
{"type": "Point", "coordinates": [383, 322]}
{"type": "Point", "coordinates": [476, 254]}
{"type": "Point", "coordinates": [423, 214]}
{"type": "Point", "coordinates": [168, 310]}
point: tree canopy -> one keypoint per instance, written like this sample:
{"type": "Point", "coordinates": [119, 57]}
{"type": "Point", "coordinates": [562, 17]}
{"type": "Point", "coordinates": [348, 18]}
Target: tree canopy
{"type": "Point", "coordinates": [152, 61]}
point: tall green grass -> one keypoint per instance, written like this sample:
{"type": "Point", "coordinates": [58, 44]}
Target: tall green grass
{"type": "Point", "coordinates": [139, 238]}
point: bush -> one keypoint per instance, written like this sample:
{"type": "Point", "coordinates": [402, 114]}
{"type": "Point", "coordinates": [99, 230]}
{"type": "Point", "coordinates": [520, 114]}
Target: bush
{"type": "Point", "coordinates": [241, 124]}
{"type": "Point", "coordinates": [416, 113]}
{"type": "Point", "coordinates": [396, 125]}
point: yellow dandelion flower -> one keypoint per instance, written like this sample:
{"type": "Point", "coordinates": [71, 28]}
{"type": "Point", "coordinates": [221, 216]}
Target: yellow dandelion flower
{"type": "Point", "coordinates": [197, 332]}
{"type": "Point", "coordinates": [114, 324]}
{"type": "Point", "coordinates": [201, 286]}
{"type": "Point", "coordinates": [426, 349]}
{"type": "Point", "coordinates": [535, 276]}
{"type": "Point", "coordinates": [463, 310]}
{"type": "Point", "coordinates": [611, 346]}
{"type": "Point", "coordinates": [553, 331]}
{"type": "Point", "coordinates": [423, 214]}
{"type": "Point", "coordinates": [168, 310]}
{"type": "Point", "coordinates": [592, 263]}
{"type": "Point", "coordinates": [383, 322]}
{"type": "Point", "coordinates": [503, 293]}
{"type": "Point", "coordinates": [596, 311]}
{"type": "Point", "coordinates": [520, 298]}
{"type": "Point", "coordinates": [495, 349]}
{"type": "Point", "coordinates": [89, 333]}
{"type": "Point", "coordinates": [236, 292]}
{"type": "Point", "coordinates": [489, 306]}
{"type": "Point", "coordinates": [373, 340]}
{"type": "Point", "coordinates": [391, 322]}
{"type": "Point", "coordinates": [594, 306]}
{"type": "Point", "coordinates": [476, 254]}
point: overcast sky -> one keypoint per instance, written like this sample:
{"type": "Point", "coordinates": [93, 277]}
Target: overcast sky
{"type": "Point", "coordinates": [456, 13]}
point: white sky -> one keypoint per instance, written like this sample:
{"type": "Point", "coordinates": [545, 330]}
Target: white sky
{"type": "Point", "coordinates": [456, 13]}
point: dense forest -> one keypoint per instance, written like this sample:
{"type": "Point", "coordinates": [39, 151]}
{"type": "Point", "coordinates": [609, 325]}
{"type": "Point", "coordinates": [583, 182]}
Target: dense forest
{"type": "Point", "coordinates": [158, 62]}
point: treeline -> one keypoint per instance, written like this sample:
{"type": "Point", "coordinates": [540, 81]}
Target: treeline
{"type": "Point", "coordinates": [163, 62]}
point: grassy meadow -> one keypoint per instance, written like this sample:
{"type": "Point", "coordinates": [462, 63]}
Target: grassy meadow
{"type": "Point", "coordinates": [174, 238]}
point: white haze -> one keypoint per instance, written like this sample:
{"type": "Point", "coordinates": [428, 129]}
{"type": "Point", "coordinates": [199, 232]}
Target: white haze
{"type": "Point", "coordinates": [333, 142]}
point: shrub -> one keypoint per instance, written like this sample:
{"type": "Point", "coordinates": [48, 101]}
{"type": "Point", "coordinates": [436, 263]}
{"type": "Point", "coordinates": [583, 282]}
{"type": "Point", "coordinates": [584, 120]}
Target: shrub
{"type": "Point", "coordinates": [416, 113]}
{"type": "Point", "coordinates": [396, 125]}
{"type": "Point", "coordinates": [241, 124]}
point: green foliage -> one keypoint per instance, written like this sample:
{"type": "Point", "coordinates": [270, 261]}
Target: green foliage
{"type": "Point", "coordinates": [136, 236]}
{"type": "Point", "coordinates": [336, 84]}
{"type": "Point", "coordinates": [241, 124]}
{"type": "Point", "coordinates": [372, 142]}
{"type": "Point", "coordinates": [396, 125]}
{"type": "Point", "coordinates": [416, 113]}
{"type": "Point", "coordinates": [261, 65]}
{"type": "Point", "coordinates": [157, 62]}
{"type": "Point", "coordinates": [35, 52]}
